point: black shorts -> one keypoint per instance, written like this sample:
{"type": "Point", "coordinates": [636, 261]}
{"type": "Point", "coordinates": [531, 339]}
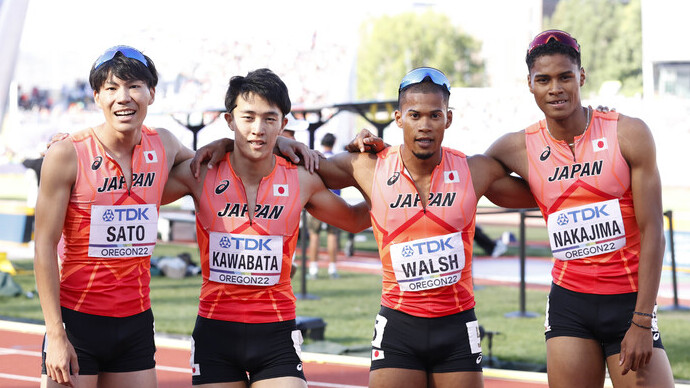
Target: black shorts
{"type": "Point", "coordinates": [604, 318]}
{"type": "Point", "coordinates": [434, 345]}
{"type": "Point", "coordinates": [225, 351]}
{"type": "Point", "coordinates": [109, 344]}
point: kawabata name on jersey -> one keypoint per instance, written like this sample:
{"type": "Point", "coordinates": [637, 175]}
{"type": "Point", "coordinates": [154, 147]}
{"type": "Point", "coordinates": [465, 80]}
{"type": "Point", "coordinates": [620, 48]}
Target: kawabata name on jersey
{"type": "Point", "coordinates": [585, 231]}
{"type": "Point", "coordinates": [428, 263]}
{"type": "Point", "coordinates": [123, 230]}
{"type": "Point", "coordinates": [245, 259]}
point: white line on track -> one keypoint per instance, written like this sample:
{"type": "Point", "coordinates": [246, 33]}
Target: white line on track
{"type": "Point", "coordinates": [21, 378]}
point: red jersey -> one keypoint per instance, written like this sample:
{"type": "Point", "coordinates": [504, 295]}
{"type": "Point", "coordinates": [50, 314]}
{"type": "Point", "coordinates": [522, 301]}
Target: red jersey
{"type": "Point", "coordinates": [586, 199]}
{"type": "Point", "coordinates": [110, 229]}
{"type": "Point", "coordinates": [246, 263]}
{"type": "Point", "coordinates": [426, 253]}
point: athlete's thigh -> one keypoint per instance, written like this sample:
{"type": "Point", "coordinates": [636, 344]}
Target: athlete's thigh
{"type": "Point", "coordinates": [456, 379]}
{"type": "Point", "coordinates": [280, 382]}
{"type": "Point", "coordinates": [83, 381]}
{"type": "Point", "coordinates": [140, 379]}
{"type": "Point", "coordinates": [574, 362]}
{"type": "Point", "coordinates": [397, 378]}
{"type": "Point", "coordinates": [655, 374]}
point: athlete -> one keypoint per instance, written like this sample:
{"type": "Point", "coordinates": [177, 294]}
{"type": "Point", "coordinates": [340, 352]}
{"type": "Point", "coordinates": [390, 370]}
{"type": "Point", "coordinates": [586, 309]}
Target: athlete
{"type": "Point", "coordinates": [595, 178]}
{"type": "Point", "coordinates": [245, 332]}
{"type": "Point", "coordinates": [423, 200]}
{"type": "Point", "coordinates": [100, 192]}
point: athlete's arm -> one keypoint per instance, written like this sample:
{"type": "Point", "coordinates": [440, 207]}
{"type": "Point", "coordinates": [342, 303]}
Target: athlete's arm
{"type": "Point", "coordinates": [490, 178]}
{"type": "Point", "coordinates": [214, 152]}
{"type": "Point", "coordinates": [58, 175]}
{"type": "Point", "coordinates": [181, 182]}
{"type": "Point", "coordinates": [638, 149]}
{"type": "Point", "coordinates": [330, 208]}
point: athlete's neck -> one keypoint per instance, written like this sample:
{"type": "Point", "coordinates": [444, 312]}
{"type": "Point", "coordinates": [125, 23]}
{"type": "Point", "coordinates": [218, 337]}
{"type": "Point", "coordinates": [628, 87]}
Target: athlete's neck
{"type": "Point", "coordinates": [251, 171]}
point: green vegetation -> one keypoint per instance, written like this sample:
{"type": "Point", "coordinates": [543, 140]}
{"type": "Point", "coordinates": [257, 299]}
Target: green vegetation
{"type": "Point", "coordinates": [613, 50]}
{"type": "Point", "coordinates": [392, 45]}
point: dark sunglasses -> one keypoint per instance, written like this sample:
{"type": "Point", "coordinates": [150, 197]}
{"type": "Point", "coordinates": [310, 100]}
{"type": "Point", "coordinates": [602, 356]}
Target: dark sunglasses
{"type": "Point", "coordinates": [129, 52]}
{"type": "Point", "coordinates": [558, 35]}
{"type": "Point", "coordinates": [419, 74]}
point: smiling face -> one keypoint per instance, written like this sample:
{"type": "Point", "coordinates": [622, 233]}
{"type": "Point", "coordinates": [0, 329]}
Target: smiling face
{"type": "Point", "coordinates": [555, 81]}
{"type": "Point", "coordinates": [424, 117]}
{"type": "Point", "coordinates": [124, 103]}
{"type": "Point", "coordinates": [256, 123]}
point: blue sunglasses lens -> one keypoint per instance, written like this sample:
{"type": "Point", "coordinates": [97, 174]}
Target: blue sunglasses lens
{"type": "Point", "coordinates": [129, 52]}
{"type": "Point", "coordinates": [418, 75]}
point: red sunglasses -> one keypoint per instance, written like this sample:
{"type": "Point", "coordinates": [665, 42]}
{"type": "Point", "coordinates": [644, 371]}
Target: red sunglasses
{"type": "Point", "coordinates": [558, 35]}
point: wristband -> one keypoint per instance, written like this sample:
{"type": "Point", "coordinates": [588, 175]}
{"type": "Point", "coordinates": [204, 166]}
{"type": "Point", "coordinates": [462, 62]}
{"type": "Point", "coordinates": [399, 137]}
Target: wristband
{"type": "Point", "coordinates": [643, 314]}
{"type": "Point", "coordinates": [640, 326]}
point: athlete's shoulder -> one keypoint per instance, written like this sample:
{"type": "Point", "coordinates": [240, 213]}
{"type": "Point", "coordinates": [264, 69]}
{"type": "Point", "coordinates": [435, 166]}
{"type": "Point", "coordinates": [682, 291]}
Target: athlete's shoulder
{"type": "Point", "coordinates": [535, 127]}
{"type": "Point", "coordinates": [453, 152]}
{"type": "Point", "coordinates": [388, 152]}
{"type": "Point", "coordinates": [81, 135]}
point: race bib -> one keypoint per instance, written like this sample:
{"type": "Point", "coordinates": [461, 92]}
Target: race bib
{"type": "Point", "coordinates": [123, 230]}
{"type": "Point", "coordinates": [585, 231]}
{"type": "Point", "coordinates": [242, 259]}
{"type": "Point", "coordinates": [428, 263]}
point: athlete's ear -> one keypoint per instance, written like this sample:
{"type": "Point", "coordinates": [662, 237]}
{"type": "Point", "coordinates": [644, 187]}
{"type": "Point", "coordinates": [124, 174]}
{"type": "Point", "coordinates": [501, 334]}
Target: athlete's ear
{"type": "Point", "coordinates": [96, 98]}
{"type": "Point", "coordinates": [152, 90]}
{"type": "Point", "coordinates": [398, 118]}
{"type": "Point", "coordinates": [229, 120]}
{"type": "Point", "coordinates": [529, 82]}
{"type": "Point", "coordinates": [582, 76]}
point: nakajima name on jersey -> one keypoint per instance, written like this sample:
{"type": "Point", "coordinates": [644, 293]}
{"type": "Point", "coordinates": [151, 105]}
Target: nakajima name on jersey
{"type": "Point", "coordinates": [587, 230]}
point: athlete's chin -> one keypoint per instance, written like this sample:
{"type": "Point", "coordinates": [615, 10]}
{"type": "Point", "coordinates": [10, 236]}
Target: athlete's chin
{"type": "Point", "coordinates": [423, 155]}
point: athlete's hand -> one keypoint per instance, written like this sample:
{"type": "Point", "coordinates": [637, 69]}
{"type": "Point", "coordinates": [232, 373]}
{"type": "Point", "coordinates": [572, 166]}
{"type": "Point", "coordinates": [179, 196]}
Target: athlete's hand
{"type": "Point", "coordinates": [60, 360]}
{"type": "Point", "coordinates": [291, 149]}
{"type": "Point", "coordinates": [56, 138]}
{"type": "Point", "coordinates": [636, 349]}
{"type": "Point", "coordinates": [605, 109]}
{"type": "Point", "coordinates": [212, 153]}
{"type": "Point", "coordinates": [366, 141]}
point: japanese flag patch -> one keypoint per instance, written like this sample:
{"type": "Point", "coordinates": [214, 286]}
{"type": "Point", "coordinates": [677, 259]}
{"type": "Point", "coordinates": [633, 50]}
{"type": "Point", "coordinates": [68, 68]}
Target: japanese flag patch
{"type": "Point", "coordinates": [280, 190]}
{"type": "Point", "coordinates": [377, 354]}
{"type": "Point", "coordinates": [150, 157]}
{"type": "Point", "coordinates": [451, 176]}
{"type": "Point", "coordinates": [600, 144]}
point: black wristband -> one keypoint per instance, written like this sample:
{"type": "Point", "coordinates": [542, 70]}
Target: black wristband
{"type": "Point", "coordinates": [640, 326]}
{"type": "Point", "coordinates": [643, 314]}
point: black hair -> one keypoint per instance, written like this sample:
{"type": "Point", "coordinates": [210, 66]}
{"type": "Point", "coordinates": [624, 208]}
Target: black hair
{"type": "Point", "coordinates": [425, 86]}
{"type": "Point", "coordinates": [328, 140]}
{"type": "Point", "coordinates": [550, 48]}
{"type": "Point", "coordinates": [124, 68]}
{"type": "Point", "coordinates": [262, 82]}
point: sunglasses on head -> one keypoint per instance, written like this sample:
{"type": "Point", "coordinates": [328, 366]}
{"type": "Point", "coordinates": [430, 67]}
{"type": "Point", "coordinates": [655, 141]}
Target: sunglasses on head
{"type": "Point", "coordinates": [560, 36]}
{"type": "Point", "coordinates": [129, 52]}
{"type": "Point", "coordinates": [419, 74]}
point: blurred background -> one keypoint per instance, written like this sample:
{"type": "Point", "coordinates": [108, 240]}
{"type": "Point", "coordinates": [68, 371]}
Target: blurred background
{"type": "Point", "coordinates": [333, 53]}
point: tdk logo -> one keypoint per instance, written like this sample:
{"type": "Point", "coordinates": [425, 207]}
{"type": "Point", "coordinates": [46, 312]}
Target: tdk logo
{"type": "Point", "coordinates": [585, 214]}
{"type": "Point", "coordinates": [125, 215]}
{"type": "Point", "coordinates": [245, 243]}
{"type": "Point", "coordinates": [425, 247]}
